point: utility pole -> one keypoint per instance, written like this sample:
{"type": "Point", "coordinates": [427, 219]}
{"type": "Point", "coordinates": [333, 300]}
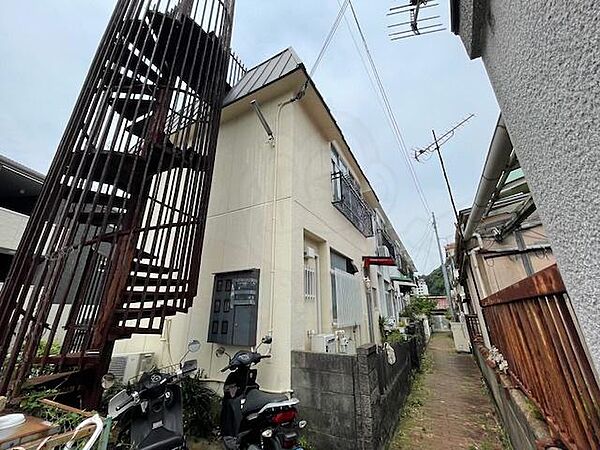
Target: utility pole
{"type": "Point", "coordinates": [444, 271]}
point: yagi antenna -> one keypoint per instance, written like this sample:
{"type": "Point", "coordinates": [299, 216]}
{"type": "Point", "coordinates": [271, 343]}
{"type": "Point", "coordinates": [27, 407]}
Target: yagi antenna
{"type": "Point", "coordinates": [439, 141]}
{"type": "Point", "coordinates": [411, 26]}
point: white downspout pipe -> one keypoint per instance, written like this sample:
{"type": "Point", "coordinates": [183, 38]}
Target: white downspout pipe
{"type": "Point", "coordinates": [497, 159]}
{"type": "Point", "coordinates": [274, 213]}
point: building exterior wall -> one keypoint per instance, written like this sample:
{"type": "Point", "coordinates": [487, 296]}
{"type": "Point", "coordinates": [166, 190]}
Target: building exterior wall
{"type": "Point", "coordinates": [12, 226]}
{"type": "Point", "coordinates": [239, 237]}
{"type": "Point", "coordinates": [543, 62]}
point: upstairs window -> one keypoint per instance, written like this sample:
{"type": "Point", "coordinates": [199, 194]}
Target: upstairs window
{"type": "Point", "coordinates": [347, 197]}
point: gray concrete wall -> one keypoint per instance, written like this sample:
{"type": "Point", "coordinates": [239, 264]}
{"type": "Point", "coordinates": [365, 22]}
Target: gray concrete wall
{"type": "Point", "coordinates": [518, 418]}
{"type": "Point", "coordinates": [543, 61]}
{"type": "Point", "coordinates": [345, 399]}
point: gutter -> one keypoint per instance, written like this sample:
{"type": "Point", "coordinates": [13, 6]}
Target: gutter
{"type": "Point", "coordinates": [497, 159]}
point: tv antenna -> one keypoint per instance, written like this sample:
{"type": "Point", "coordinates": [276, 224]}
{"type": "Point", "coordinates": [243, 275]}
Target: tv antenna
{"type": "Point", "coordinates": [435, 147]}
{"type": "Point", "coordinates": [438, 142]}
{"type": "Point", "coordinates": [411, 25]}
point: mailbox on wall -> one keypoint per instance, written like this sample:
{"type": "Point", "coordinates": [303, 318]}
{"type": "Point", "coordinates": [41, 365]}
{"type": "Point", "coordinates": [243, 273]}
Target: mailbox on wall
{"type": "Point", "coordinates": [234, 309]}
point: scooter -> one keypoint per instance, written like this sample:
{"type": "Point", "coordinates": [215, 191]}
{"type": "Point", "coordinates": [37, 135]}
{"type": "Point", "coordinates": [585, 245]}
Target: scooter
{"type": "Point", "coordinates": [252, 419]}
{"type": "Point", "coordinates": [154, 407]}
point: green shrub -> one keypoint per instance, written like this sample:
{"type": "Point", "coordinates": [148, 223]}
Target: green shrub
{"type": "Point", "coordinates": [396, 336]}
{"type": "Point", "coordinates": [419, 305]}
{"type": "Point", "coordinates": [201, 407]}
{"type": "Point", "coordinates": [31, 405]}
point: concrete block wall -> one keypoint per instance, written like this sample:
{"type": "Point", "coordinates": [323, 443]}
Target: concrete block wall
{"type": "Point", "coordinates": [325, 384]}
{"type": "Point", "coordinates": [344, 399]}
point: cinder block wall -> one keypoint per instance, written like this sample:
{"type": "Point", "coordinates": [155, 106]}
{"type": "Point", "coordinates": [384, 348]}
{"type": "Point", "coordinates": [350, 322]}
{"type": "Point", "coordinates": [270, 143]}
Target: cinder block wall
{"type": "Point", "coordinates": [346, 401]}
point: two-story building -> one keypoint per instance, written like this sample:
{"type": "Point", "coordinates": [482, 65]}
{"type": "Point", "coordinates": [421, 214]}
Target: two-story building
{"type": "Point", "coordinates": [291, 217]}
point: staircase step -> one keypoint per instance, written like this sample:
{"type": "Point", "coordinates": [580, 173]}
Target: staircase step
{"type": "Point", "coordinates": [186, 158]}
{"type": "Point", "coordinates": [142, 254]}
{"type": "Point", "coordinates": [97, 217]}
{"type": "Point", "coordinates": [144, 313]}
{"type": "Point", "coordinates": [129, 61]}
{"type": "Point", "coordinates": [137, 296]}
{"type": "Point", "coordinates": [88, 197]}
{"type": "Point", "coordinates": [113, 160]}
{"type": "Point", "coordinates": [142, 280]}
{"type": "Point", "coordinates": [171, 38]}
{"type": "Point", "coordinates": [138, 128]}
{"type": "Point", "coordinates": [132, 108]}
{"type": "Point", "coordinates": [152, 268]}
{"type": "Point", "coordinates": [193, 70]}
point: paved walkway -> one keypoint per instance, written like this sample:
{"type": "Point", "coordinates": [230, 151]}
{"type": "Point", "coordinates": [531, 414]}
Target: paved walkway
{"type": "Point", "coordinates": [449, 407]}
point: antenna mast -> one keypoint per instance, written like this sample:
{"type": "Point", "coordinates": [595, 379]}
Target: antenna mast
{"type": "Point", "coordinates": [412, 26]}
{"type": "Point", "coordinates": [435, 146]}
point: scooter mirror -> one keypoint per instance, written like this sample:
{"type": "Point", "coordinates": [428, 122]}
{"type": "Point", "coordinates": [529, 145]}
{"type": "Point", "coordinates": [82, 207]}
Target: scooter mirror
{"type": "Point", "coordinates": [108, 380]}
{"type": "Point", "coordinates": [267, 340]}
{"type": "Point", "coordinates": [193, 346]}
{"type": "Point", "coordinates": [220, 352]}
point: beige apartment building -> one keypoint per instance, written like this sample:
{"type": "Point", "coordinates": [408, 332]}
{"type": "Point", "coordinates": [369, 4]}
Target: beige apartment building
{"type": "Point", "coordinates": [291, 216]}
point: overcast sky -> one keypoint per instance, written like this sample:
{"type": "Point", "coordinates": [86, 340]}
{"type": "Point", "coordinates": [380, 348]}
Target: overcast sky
{"type": "Point", "coordinates": [46, 48]}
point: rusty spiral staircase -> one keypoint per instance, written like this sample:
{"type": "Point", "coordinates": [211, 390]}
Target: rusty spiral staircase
{"type": "Point", "coordinates": [114, 244]}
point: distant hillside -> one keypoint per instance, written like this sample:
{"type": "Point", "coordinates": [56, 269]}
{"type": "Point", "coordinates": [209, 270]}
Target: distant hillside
{"type": "Point", "coordinates": [435, 282]}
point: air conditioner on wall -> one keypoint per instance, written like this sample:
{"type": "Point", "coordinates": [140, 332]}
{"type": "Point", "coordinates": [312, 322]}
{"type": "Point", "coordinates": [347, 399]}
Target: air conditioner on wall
{"type": "Point", "coordinates": [126, 366]}
{"type": "Point", "coordinates": [323, 343]}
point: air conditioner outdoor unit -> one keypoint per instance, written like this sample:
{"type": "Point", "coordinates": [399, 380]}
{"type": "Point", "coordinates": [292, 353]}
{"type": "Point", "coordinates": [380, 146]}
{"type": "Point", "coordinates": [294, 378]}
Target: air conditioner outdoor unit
{"type": "Point", "coordinates": [323, 343]}
{"type": "Point", "coordinates": [126, 366]}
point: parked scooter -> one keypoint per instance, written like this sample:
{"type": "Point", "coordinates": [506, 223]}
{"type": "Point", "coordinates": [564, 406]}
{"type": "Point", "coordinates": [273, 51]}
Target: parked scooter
{"type": "Point", "coordinates": [154, 407]}
{"type": "Point", "coordinates": [252, 419]}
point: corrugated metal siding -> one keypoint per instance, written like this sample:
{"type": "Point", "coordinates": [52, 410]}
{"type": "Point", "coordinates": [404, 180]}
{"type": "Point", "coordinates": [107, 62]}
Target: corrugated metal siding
{"type": "Point", "coordinates": [263, 74]}
{"type": "Point", "coordinates": [348, 298]}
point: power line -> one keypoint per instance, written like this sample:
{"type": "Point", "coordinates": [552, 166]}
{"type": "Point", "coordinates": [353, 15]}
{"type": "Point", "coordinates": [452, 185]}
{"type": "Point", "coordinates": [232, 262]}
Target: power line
{"type": "Point", "coordinates": [420, 245]}
{"type": "Point", "coordinates": [428, 250]}
{"type": "Point", "coordinates": [390, 112]}
{"type": "Point", "coordinates": [329, 37]}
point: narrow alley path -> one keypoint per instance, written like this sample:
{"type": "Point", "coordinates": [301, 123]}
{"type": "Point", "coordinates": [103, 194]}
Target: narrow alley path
{"type": "Point", "coordinates": [449, 407]}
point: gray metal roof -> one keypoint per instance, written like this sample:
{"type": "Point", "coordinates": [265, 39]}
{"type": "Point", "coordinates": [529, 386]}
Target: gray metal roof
{"type": "Point", "coordinates": [265, 73]}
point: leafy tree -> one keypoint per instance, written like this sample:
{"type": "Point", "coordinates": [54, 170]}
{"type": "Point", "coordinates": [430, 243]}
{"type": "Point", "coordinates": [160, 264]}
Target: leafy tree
{"type": "Point", "coordinates": [419, 305]}
{"type": "Point", "coordinates": [435, 282]}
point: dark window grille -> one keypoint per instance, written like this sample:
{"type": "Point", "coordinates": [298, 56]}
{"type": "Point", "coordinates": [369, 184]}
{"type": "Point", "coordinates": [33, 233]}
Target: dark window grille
{"type": "Point", "coordinates": [349, 202]}
{"type": "Point", "coordinates": [386, 241]}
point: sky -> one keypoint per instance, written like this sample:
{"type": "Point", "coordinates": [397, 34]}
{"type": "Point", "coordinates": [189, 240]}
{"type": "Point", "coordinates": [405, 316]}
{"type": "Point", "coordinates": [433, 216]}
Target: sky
{"type": "Point", "coordinates": [46, 48]}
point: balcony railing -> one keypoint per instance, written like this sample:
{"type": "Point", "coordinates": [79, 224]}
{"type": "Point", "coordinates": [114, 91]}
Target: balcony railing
{"type": "Point", "coordinates": [349, 202]}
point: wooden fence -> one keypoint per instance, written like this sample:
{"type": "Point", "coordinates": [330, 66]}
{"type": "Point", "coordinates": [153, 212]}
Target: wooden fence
{"type": "Point", "coordinates": [532, 325]}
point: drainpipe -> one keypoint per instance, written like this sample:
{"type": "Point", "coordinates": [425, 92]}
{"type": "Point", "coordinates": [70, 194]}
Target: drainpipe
{"type": "Point", "coordinates": [318, 292]}
{"type": "Point", "coordinates": [497, 160]}
{"type": "Point", "coordinates": [274, 209]}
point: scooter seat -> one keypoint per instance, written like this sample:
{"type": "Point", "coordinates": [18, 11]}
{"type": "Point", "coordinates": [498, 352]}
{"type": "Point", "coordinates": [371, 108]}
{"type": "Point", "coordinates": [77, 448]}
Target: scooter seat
{"type": "Point", "coordinates": [256, 399]}
{"type": "Point", "coordinates": [162, 439]}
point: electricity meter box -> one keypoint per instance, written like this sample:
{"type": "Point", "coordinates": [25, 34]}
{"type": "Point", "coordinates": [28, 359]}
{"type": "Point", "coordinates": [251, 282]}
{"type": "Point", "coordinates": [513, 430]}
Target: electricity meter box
{"type": "Point", "coordinates": [234, 309]}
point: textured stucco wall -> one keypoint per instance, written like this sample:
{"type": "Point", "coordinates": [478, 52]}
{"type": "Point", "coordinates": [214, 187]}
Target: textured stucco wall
{"type": "Point", "coordinates": [543, 60]}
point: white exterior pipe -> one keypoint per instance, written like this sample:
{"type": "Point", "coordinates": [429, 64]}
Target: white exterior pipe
{"type": "Point", "coordinates": [497, 160]}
